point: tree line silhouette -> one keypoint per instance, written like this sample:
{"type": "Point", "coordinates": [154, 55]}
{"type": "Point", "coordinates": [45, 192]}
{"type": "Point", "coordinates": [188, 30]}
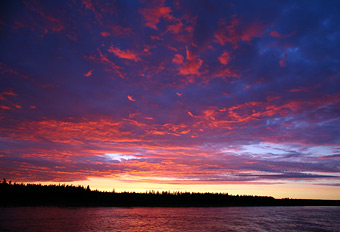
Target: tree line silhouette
{"type": "Point", "coordinates": [14, 194]}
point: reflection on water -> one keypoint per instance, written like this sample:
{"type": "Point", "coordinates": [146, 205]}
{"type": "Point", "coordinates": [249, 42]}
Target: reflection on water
{"type": "Point", "coordinates": [170, 219]}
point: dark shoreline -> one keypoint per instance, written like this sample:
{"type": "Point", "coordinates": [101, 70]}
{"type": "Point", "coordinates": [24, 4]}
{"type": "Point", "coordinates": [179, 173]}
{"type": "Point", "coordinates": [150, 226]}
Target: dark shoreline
{"type": "Point", "coordinates": [14, 195]}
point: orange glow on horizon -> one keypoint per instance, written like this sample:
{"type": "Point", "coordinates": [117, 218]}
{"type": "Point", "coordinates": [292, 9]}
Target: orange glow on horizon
{"type": "Point", "coordinates": [292, 190]}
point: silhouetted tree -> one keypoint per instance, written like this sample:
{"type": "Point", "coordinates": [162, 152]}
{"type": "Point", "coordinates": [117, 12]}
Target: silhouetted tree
{"type": "Point", "coordinates": [14, 194]}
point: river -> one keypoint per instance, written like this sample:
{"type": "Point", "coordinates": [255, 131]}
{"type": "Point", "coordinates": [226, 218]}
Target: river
{"type": "Point", "coordinates": [170, 219]}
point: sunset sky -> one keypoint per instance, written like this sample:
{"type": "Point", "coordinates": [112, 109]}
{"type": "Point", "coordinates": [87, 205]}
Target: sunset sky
{"type": "Point", "coordinates": [212, 96]}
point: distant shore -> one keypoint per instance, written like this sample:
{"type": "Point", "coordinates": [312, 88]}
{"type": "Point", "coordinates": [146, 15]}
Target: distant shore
{"type": "Point", "coordinates": [68, 195]}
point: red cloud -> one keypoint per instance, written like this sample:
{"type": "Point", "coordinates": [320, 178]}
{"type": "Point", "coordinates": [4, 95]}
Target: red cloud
{"type": "Point", "coordinates": [4, 69]}
{"type": "Point", "coordinates": [8, 102]}
{"type": "Point", "coordinates": [275, 34]}
{"type": "Point", "coordinates": [88, 5]}
{"type": "Point", "coordinates": [240, 115]}
{"type": "Point", "coordinates": [101, 11]}
{"type": "Point", "coordinates": [127, 54]}
{"type": "Point", "coordinates": [152, 70]}
{"type": "Point", "coordinates": [131, 98]}
{"type": "Point", "coordinates": [153, 15]}
{"type": "Point", "coordinates": [5, 107]}
{"type": "Point", "coordinates": [48, 22]}
{"type": "Point", "coordinates": [330, 157]}
{"type": "Point", "coordinates": [9, 93]}
{"type": "Point", "coordinates": [301, 89]}
{"type": "Point", "coordinates": [175, 28]}
{"type": "Point", "coordinates": [191, 66]}
{"type": "Point", "coordinates": [73, 132]}
{"type": "Point", "coordinates": [103, 59]}
{"type": "Point", "coordinates": [236, 31]}
{"type": "Point", "coordinates": [224, 58]}
{"type": "Point", "coordinates": [278, 35]}
{"type": "Point", "coordinates": [228, 33]}
{"type": "Point", "coordinates": [119, 30]}
{"type": "Point", "coordinates": [195, 164]}
{"type": "Point", "coordinates": [93, 7]}
{"type": "Point", "coordinates": [105, 34]}
{"type": "Point", "coordinates": [169, 129]}
{"type": "Point", "coordinates": [283, 60]}
{"type": "Point", "coordinates": [225, 72]}
{"type": "Point", "coordinates": [255, 30]}
{"type": "Point", "coordinates": [178, 59]}
{"type": "Point", "coordinates": [89, 73]}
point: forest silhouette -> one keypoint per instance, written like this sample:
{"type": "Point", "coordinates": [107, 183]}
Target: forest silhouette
{"type": "Point", "coordinates": [14, 194]}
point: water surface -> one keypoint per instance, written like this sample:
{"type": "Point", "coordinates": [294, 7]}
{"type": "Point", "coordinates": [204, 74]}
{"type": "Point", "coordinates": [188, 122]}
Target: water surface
{"type": "Point", "coordinates": [170, 219]}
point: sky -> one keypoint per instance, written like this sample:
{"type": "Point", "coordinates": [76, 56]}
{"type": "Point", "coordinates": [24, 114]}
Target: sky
{"type": "Point", "coordinates": [206, 96]}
